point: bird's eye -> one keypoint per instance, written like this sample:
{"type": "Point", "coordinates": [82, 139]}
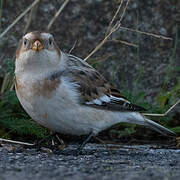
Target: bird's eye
{"type": "Point", "coordinates": [25, 42]}
{"type": "Point", "coordinates": [50, 41]}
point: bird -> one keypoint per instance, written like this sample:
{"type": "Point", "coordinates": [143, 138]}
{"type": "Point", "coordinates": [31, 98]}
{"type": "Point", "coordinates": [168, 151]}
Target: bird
{"type": "Point", "coordinates": [65, 94]}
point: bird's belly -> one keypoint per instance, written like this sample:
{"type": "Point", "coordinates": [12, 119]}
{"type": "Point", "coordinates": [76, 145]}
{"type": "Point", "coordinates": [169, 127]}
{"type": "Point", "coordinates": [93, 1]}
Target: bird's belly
{"type": "Point", "coordinates": [62, 115]}
{"type": "Point", "coordinates": [57, 115]}
{"type": "Point", "coordinates": [61, 112]}
{"type": "Point", "coordinates": [63, 118]}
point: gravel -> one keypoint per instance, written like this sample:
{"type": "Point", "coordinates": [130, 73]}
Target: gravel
{"type": "Point", "coordinates": [96, 162]}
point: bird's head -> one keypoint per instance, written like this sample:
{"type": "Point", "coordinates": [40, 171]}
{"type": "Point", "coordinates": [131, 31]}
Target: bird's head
{"type": "Point", "coordinates": [37, 50]}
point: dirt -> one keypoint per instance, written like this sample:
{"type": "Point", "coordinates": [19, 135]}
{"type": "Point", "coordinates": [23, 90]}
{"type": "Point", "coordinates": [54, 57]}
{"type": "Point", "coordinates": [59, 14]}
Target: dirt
{"type": "Point", "coordinates": [96, 162]}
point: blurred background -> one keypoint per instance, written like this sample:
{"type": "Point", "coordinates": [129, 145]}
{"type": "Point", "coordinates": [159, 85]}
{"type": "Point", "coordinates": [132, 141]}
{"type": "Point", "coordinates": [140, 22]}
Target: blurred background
{"type": "Point", "coordinates": [141, 58]}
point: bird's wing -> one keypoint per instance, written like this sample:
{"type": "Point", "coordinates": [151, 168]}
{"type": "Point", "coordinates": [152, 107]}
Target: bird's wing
{"type": "Point", "coordinates": [94, 90]}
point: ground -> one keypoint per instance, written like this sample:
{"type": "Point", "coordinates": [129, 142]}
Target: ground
{"type": "Point", "coordinates": [96, 162]}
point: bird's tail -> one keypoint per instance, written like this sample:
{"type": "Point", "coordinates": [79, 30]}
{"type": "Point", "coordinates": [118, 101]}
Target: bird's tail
{"type": "Point", "coordinates": [157, 127]}
{"type": "Point", "coordinates": [138, 118]}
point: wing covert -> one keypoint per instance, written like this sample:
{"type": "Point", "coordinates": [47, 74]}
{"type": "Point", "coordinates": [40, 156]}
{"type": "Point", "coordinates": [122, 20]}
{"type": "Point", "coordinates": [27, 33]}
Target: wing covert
{"type": "Point", "coordinates": [94, 89]}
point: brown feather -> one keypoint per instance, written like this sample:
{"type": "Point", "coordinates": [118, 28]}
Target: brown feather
{"type": "Point", "coordinates": [92, 85]}
{"type": "Point", "coordinates": [45, 88]}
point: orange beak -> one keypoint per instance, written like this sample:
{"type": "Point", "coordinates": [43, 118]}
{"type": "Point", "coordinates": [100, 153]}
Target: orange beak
{"type": "Point", "coordinates": [37, 46]}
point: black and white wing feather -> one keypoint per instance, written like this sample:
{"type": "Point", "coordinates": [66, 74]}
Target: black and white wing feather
{"type": "Point", "coordinates": [95, 91]}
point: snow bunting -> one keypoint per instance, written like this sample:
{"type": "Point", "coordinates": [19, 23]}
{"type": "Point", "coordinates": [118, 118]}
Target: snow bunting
{"type": "Point", "coordinates": [65, 94]}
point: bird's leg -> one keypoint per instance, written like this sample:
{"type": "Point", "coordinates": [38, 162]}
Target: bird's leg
{"type": "Point", "coordinates": [80, 148]}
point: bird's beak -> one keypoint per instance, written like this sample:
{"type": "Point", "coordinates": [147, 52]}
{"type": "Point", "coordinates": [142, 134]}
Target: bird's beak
{"type": "Point", "coordinates": [37, 46]}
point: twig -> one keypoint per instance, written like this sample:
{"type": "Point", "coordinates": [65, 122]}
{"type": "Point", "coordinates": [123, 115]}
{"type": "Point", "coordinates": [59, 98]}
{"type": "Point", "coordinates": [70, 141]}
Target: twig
{"type": "Point", "coordinates": [57, 14]}
{"type": "Point", "coordinates": [110, 24]}
{"type": "Point", "coordinates": [73, 47]}
{"type": "Point", "coordinates": [102, 42]}
{"type": "Point", "coordinates": [18, 18]}
{"type": "Point", "coordinates": [113, 29]}
{"type": "Point", "coordinates": [16, 142]}
{"type": "Point", "coordinates": [5, 83]}
{"type": "Point", "coordinates": [1, 7]}
{"type": "Point", "coordinates": [124, 42]}
{"type": "Point", "coordinates": [12, 86]}
{"type": "Point", "coordinates": [146, 33]}
{"type": "Point", "coordinates": [30, 17]}
{"type": "Point", "coordinates": [60, 140]}
{"type": "Point", "coordinates": [164, 114]}
{"type": "Point", "coordinates": [124, 10]}
{"type": "Point", "coordinates": [102, 58]}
